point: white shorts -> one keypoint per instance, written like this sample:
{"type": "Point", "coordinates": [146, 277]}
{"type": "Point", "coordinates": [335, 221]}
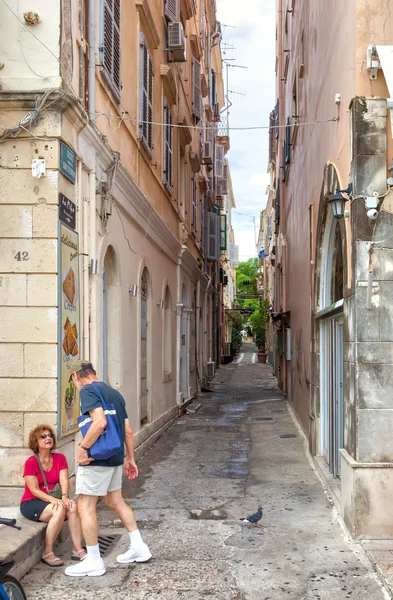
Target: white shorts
{"type": "Point", "coordinates": [98, 481]}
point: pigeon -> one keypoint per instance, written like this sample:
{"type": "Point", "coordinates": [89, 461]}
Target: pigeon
{"type": "Point", "coordinates": [253, 519]}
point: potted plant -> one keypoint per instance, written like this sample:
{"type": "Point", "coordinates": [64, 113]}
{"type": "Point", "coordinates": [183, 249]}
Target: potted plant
{"type": "Point", "coordinates": [236, 340]}
{"type": "Point", "coordinates": [260, 341]}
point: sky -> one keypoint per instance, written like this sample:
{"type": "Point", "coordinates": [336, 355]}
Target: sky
{"type": "Point", "coordinates": [249, 26]}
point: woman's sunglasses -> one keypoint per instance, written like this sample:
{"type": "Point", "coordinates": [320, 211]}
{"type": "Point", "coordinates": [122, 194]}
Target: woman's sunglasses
{"type": "Point", "coordinates": [47, 435]}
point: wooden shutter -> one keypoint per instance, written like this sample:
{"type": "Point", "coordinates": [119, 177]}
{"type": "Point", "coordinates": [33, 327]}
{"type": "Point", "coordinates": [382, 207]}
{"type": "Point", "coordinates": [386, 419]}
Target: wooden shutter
{"type": "Point", "coordinates": [202, 220]}
{"type": "Point", "coordinates": [193, 204]}
{"type": "Point", "coordinates": [145, 95]}
{"type": "Point", "coordinates": [219, 161]}
{"type": "Point", "coordinates": [213, 236]}
{"type": "Point", "coordinates": [111, 43]}
{"type": "Point", "coordinates": [171, 10]}
{"type": "Point", "coordinates": [168, 146]}
{"type": "Point", "coordinates": [277, 110]}
{"type": "Point", "coordinates": [202, 25]}
{"type": "Point", "coordinates": [196, 88]}
{"type": "Point", "coordinates": [288, 141]}
{"type": "Point", "coordinates": [213, 88]}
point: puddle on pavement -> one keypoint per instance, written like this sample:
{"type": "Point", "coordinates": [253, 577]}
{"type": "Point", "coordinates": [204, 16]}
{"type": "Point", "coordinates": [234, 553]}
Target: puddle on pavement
{"type": "Point", "coordinates": [232, 473]}
{"type": "Point", "coordinates": [235, 407]}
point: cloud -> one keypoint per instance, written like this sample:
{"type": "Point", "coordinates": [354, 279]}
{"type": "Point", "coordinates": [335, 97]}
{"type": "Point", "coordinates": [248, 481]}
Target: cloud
{"type": "Point", "coordinates": [252, 33]}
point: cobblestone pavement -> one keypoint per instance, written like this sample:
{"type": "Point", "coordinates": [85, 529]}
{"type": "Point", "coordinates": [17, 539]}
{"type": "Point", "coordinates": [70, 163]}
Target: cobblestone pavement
{"type": "Point", "coordinates": [209, 470]}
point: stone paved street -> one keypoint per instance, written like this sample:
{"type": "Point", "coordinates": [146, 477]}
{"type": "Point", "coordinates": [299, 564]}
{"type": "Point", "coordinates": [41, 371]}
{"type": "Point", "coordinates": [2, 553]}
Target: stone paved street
{"type": "Point", "coordinates": [209, 470]}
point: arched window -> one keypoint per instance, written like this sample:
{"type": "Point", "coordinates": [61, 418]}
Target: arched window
{"type": "Point", "coordinates": [111, 320]}
{"type": "Point", "coordinates": [337, 269]}
{"type": "Point", "coordinates": [168, 335]}
{"type": "Point", "coordinates": [332, 273]}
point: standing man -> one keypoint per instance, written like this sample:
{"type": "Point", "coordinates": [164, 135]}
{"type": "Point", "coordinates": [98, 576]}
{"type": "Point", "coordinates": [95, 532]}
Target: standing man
{"type": "Point", "coordinates": [97, 478]}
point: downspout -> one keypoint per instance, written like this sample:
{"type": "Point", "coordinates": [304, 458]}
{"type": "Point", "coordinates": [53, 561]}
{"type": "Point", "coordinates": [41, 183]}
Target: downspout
{"type": "Point", "coordinates": [91, 80]}
{"type": "Point", "coordinates": [93, 278]}
{"type": "Point", "coordinates": [85, 272]}
{"type": "Point", "coordinates": [197, 331]}
{"type": "Point", "coordinates": [178, 325]}
{"type": "Point", "coordinates": [205, 317]}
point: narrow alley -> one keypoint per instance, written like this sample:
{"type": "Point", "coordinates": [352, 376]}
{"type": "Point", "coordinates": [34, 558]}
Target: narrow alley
{"type": "Point", "coordinates": [240, 450]}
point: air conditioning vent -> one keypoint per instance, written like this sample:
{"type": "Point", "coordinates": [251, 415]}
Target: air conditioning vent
{"type": "Point", "coordinates": [177, 41]}
{"type": "Point", "coordinates": [207, 153]}
{"type": "Point", "coordinates": [211, 369]}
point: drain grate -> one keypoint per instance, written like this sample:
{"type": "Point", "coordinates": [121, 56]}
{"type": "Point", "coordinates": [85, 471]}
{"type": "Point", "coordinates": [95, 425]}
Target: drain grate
{"type": "Point", "coordinates": [277, 410]}
{"type": "Point", "coordinates": [262, 419]}
{"type": "Point", "coordinates": [288, 435]}
{"type": "Point", "coordinates": [106, 542]}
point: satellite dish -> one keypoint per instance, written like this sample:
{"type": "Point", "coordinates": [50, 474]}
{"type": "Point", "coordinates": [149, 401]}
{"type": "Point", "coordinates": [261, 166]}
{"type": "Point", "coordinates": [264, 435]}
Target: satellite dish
{"type": "Point", "coordinates": [390, 182]}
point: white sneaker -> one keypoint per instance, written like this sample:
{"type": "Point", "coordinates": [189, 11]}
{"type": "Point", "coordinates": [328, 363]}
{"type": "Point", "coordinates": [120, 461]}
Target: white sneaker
{"type": "Point", "coordinates": [141, 554]}
{"type": "Point", "coordinates": [92, 567]}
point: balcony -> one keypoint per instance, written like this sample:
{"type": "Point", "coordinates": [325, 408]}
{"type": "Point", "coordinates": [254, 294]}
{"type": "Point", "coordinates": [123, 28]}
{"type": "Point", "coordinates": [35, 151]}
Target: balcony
{"type": "Point", "coordinates": [222, 130]}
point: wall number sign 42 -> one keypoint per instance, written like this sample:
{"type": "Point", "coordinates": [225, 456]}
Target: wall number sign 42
{"type": "Point", "coordinates": [22, 256]}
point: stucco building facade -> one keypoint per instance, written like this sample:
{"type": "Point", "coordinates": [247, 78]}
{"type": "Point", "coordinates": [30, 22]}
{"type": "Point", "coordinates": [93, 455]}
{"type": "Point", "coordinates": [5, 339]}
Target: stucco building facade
{"type": "Point", "coordinates": [110, 228]}
{"type": "Point", "coordinates": [332, 300]}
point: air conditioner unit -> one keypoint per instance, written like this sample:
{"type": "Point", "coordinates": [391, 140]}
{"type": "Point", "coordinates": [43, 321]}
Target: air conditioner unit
{"type": "Point", "coordinates": [227, 349]}
{"type": "Point", "coordinates": [216, 112]}
{"type": "Point", "coordinates": [207, 158]}
{"type": "Point", "coordinates": [211, 369]}
{"type": "Point", "coordinates": [177, 41]}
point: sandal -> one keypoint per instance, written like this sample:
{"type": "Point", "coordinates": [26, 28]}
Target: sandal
{"type": "Point", "coordinates": [77, 555]}
{"type": "Point", "coordinates": [55, 562]}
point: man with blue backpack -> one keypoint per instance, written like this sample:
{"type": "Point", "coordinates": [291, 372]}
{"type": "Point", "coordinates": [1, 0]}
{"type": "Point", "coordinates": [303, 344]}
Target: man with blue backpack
{"type": "Point", "coordinates": [104, 422]}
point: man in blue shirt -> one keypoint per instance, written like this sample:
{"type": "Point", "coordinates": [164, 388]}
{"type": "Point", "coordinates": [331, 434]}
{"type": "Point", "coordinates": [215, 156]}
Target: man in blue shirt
{"type": "Point", "coordinates": [97, 478]}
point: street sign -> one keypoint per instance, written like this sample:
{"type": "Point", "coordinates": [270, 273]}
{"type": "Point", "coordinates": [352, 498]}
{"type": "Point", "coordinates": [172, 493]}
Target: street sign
{"type": "Point", "coordinates": [67, 162]}
{"type": "Point", "coordinates": [67, 211]}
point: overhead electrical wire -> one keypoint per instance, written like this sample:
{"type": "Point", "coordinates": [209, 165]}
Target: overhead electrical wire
{"type": "Point", "coordinates": [244, 128]}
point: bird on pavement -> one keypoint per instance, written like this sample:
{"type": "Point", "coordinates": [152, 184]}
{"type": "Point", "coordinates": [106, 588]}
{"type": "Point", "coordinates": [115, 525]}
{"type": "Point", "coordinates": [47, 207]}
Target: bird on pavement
{"type": "Point", "coordinates": [255, 518]}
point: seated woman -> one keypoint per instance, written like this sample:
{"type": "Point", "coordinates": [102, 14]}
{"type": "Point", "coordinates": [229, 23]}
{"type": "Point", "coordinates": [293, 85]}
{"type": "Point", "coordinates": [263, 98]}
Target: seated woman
{"type": "Point", "coordinates": [38, 505]}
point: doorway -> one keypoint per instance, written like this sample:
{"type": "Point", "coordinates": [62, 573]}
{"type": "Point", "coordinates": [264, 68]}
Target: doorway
{"type": "Point", "coordinates": [144, 391]}
{"type": "Point", "coordinates": [333, 404]}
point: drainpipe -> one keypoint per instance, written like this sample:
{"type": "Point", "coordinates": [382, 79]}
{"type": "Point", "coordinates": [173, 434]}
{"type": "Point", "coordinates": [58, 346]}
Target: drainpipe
{"type": "Point", "coordinates": [85, 275]}
{"type": "Point", "coordinates": [205, 318]}
{"type": "Point", "coordinates": [178, 325]}
{"type": "Point", "coordinates": [91, 80]}
{"type": "Point", "coordinates": [197, 329]}
{"type": "Point", "coordinates": [93, 278]}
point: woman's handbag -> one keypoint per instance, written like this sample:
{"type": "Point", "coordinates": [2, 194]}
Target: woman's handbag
{"type": "Point", "coordinates": [109, 442]}
{"type": "Point", "coordinates": [56, 492]}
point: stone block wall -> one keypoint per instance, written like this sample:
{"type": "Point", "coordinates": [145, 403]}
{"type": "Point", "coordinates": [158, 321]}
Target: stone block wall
{"type": "Point", "coordinates": [28, 299]}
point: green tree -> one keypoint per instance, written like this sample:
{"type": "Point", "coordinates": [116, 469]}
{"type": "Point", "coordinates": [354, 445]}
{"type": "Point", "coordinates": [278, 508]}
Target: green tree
{"type": "Point", "coordinates": [258, 321]}
{"type": "Point", "coordinates": [246, 281]}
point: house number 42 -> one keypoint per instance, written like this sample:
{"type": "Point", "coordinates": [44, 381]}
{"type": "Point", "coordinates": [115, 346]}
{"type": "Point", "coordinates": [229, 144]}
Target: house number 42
{"type": "Point", "coordinates": [22, 256]}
